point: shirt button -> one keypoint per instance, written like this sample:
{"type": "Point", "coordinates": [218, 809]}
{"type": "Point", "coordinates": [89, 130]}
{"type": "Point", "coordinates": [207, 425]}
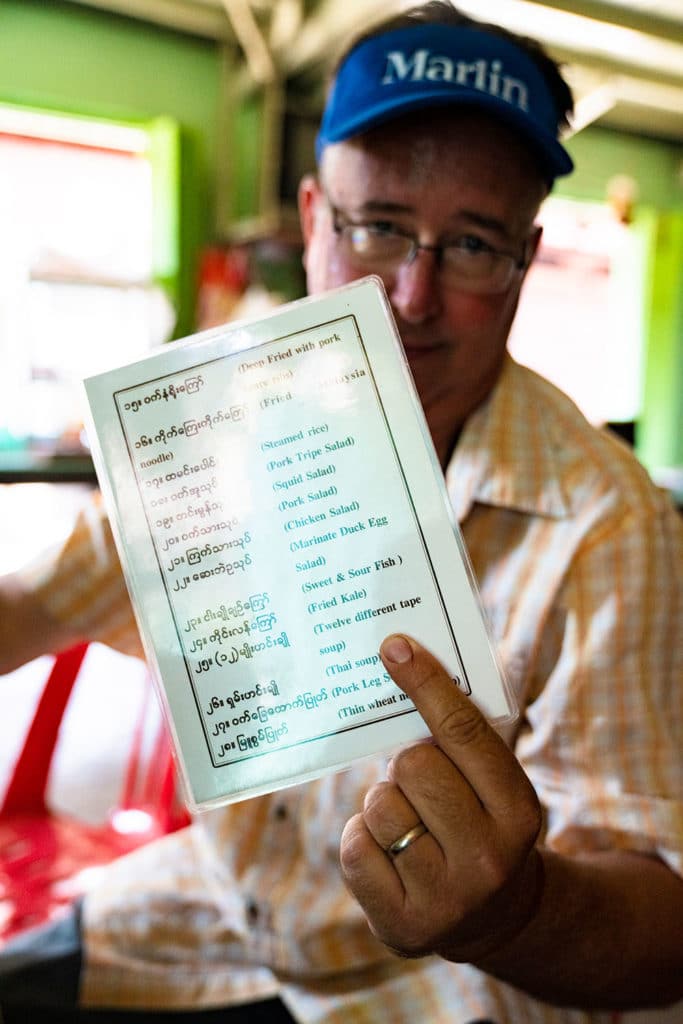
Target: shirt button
{"type": "Point", "coordinates": [281, 812]}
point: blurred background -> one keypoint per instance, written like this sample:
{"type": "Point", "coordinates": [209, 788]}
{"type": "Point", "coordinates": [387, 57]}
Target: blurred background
{"type": "Point", "coordinates": [150, 152]}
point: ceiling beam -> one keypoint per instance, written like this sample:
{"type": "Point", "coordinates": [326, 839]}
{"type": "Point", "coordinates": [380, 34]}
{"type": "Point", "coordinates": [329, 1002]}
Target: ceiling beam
{"type": "Point", "coordinates": [331, 27]}
{"type": "Point", "coordinates": [196, 17]}
{"type": "Point", "coordinates": [575, 37]}
{"type": "Point", "coordinates": [254, 46]}
{"type": "Point", "coordinates": [642, 17]}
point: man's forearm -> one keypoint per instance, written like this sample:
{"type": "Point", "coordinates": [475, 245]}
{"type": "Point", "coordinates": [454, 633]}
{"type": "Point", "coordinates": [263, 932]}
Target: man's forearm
{"type": "Point", "coordinates": [26, 630]}
{"type": "Point", "coordinates": [608, 933]}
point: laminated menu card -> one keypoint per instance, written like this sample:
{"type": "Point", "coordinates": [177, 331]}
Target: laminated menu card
{"type": "Point", "coordinates": [278, 510]}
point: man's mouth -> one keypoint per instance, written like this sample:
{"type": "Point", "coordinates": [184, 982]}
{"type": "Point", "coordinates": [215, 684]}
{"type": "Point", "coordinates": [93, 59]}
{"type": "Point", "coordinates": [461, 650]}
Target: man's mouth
{"type": "Point", "coordinates": [420, 350]}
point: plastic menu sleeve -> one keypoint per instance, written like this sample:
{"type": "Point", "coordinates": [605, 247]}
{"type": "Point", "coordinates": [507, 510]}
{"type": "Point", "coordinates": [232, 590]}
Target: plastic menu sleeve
{"type": "Point", "coordinates": [278, 510]}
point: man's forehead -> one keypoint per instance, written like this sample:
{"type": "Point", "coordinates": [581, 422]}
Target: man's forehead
{"type": "Point", "coordinates": [428, 146]}
{"type": "Point", "coordinates": [426, 184]}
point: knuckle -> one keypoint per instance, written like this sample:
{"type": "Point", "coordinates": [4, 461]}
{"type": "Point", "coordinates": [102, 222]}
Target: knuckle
{"type": "Point", "coordinates": [376, 796]}
{"type": "Point", "coordinates": [463, 726]}
{"type": "Point", "coordinates": [524, 818]}
{"type": "Point", "coordinates": [495, 868]}
{"type": "Point", "coordinates": [353, 852]}
{"type": "Point", "coordinates": [530, 818]}
{"type": "Point", "coordinates": [412, 762]}
{"type": "Point", "coordinates": [413, 949]}
{"type": "Point", "coordinates": [407, 939]}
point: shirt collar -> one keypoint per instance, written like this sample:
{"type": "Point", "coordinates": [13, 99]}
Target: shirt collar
{"type": "Point", "coordinates": [507, 454]}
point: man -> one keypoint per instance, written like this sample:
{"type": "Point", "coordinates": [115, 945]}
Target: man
{"type": "Point", "coordinates": [548, 881]}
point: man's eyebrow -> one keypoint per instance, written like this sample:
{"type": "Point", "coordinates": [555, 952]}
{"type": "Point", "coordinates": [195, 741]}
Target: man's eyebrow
{"type": "Point", "coordinates": [482, 220]}
{"type": "Point", "coordinates": [473, 217]}
{"type": "Point", "coordinates": [383, 206]}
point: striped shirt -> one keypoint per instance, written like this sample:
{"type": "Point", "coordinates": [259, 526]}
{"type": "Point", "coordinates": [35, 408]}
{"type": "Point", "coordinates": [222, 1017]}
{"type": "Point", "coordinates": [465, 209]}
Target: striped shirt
{"type": "Point", "coordinates": [579, 560]}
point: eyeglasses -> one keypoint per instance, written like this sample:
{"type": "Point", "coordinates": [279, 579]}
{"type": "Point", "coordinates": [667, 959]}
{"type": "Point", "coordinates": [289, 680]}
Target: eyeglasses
{"type": "Point", "coordinates": [467, 263]}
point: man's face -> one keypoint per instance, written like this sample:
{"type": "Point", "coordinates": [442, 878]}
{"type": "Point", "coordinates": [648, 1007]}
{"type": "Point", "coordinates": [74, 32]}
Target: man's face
{"type": "Point", "coordinates": [442, 176]}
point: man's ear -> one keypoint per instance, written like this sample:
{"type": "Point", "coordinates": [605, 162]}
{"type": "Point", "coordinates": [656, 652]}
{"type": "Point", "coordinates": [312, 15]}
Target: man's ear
{"type": "Point", "coordinates": [308, 196]}
{"type": "Point", "coordinates": [534, 242]}
{"type": "Point", "coordinates": [531, 248]}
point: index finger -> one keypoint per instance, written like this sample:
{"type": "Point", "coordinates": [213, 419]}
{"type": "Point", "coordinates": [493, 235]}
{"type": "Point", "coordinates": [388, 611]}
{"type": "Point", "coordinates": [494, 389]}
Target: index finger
{"type": "Point", "coordinates": [457, 724]}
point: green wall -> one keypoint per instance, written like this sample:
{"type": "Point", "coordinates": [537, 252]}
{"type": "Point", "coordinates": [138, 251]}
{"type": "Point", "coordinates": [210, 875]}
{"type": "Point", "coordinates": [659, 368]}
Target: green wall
{"type": "Point", "coordinates": [601, 153]}
{"type": "Point", "coordinates": [660, 433]}
{"type": "Point", "coordinates": [79, 60]}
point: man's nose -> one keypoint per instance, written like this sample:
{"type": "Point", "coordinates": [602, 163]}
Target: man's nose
{"type": "Point", "coordinates": [416, 291]}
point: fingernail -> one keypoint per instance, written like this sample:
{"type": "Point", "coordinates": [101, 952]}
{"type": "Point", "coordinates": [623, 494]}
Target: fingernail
{"type": "Point", "coordinates": [397, 649]}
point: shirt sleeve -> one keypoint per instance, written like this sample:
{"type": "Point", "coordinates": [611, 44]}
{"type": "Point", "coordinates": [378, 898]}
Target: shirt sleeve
{"type": "Point", "coordinates": [82, 584]}
{"type": "Point", "coordinates": [604, 734]}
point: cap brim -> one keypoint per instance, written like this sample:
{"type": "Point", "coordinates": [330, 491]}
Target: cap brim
{"type": "Point", "coordinates": [551, 154]}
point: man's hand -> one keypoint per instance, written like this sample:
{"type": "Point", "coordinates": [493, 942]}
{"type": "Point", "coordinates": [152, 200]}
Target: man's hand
{"type": "Point", "coordinates": [474, 879]}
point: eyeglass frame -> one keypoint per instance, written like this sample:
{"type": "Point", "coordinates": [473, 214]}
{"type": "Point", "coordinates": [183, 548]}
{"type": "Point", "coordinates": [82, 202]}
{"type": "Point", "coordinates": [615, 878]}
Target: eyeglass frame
{"type": "Point", "coordinates": [516, 264]}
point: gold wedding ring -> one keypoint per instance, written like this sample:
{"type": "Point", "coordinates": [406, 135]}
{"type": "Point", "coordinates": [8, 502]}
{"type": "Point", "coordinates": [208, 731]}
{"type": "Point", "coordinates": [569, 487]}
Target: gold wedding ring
{"type": "Point", "coordinates": [406, 840]}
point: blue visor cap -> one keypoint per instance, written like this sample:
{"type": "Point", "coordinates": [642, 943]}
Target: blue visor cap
{"type": "Point", "coordinates": [434, 65]}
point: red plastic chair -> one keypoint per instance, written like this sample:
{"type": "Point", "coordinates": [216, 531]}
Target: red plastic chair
{"type": "Point", "coordinates": [47, 858]}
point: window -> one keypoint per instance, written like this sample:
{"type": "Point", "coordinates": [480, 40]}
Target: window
{"type": "Point", "coordinates": [580, 317]}
{"type": "Point", "coordinates": [80, 264]}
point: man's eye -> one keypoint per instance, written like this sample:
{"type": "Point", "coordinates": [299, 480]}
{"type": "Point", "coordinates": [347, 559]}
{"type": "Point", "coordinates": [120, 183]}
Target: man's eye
{"type": "Point", "coordinates": [471, 243]}
{"type": "Point", "coordinates": [381, 227]}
